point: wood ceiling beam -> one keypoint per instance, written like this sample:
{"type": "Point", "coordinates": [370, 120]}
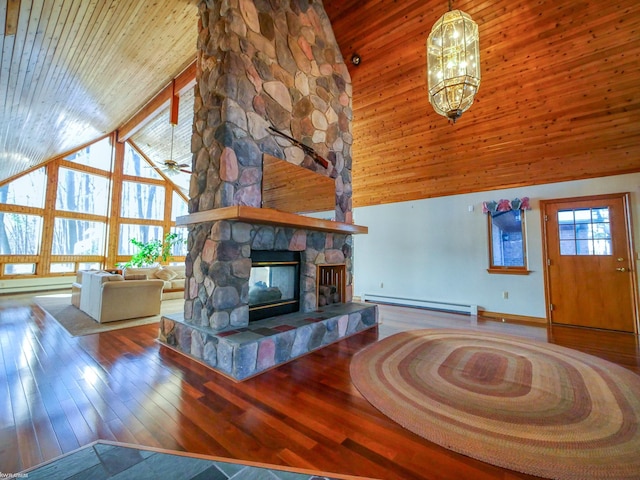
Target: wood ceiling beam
{"type": "Point", "coordinates": [11, 19]}
{"type": "Point", "coordinates": [174, 104]}
{"type": "Point", "coordinates": [167, 97]}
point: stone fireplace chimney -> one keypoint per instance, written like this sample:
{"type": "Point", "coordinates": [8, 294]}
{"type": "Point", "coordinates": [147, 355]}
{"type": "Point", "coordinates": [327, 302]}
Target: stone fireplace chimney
{"type": "Point", "coordinates": [259, 65]}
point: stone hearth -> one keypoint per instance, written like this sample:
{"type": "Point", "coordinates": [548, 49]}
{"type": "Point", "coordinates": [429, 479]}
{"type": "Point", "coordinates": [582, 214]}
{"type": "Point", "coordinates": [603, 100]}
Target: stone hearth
{"type": "Point", "coordinates": [243, 352]}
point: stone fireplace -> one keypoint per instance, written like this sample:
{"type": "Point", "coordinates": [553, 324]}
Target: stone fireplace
{"type": "Point", "coordinates": [218, 331]}
{"type": "Point", "coordinates": [262, 65]}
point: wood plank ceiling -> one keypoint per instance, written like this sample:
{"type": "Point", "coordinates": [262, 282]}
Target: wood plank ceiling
{"type": "Point", "coordinates": [72, 71]}
{"type": "Point", "coordinates": [559, 99]}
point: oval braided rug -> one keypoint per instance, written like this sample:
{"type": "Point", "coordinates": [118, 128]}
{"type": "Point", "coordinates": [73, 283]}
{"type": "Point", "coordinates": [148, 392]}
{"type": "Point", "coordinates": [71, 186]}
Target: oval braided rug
{"type": "Point", "coordinates": [520, 404]}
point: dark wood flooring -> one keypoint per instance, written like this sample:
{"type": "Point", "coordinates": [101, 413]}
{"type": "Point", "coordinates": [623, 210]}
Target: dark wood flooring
{"type": "Point", "coordinates": [58, 393]}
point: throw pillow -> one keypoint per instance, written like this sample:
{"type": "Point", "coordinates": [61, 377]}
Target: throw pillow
{"type": "Point", "coordinates": [165, 274]}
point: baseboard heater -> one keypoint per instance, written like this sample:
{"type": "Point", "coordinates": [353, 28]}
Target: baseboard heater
{"type": "Point", "coordinates": [36, 285]}
{"type": "Point", "coordinates": [427, 304]}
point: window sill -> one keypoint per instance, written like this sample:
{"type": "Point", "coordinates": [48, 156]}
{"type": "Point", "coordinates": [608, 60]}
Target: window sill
{"type": "Point", "coordinates": [509, 270]}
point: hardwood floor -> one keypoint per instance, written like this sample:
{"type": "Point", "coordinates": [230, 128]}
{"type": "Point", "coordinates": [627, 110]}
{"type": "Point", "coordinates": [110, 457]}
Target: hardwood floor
{"type": "Point", "coordinates": [58, 393]}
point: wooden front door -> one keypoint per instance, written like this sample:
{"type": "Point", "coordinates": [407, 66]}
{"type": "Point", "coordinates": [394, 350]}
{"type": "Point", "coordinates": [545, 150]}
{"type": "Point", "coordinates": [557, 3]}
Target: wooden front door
{"type": "Point", "coordinates": [590, 279]}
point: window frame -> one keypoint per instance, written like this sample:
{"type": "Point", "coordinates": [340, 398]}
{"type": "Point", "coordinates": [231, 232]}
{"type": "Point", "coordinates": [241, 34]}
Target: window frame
{"type": "Point", "coordinates": [112, 219]}
{"type": "Point", "coordinates": [508, 269]}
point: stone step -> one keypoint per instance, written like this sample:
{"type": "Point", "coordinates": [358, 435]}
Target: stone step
{"type": "Point", "coordinates": [241, 353]}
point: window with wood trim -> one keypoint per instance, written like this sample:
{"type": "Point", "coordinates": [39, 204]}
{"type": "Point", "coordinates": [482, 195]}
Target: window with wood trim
{"type": "Point", "coordinates": [88, 227]}
{"type": "Point", "coordinates": [507, 242]}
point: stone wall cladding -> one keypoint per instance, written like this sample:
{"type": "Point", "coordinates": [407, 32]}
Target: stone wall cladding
{"type": "Point", "coordinates": [266, 63]}
{"type": "Point", "coordinates": [218, 287]}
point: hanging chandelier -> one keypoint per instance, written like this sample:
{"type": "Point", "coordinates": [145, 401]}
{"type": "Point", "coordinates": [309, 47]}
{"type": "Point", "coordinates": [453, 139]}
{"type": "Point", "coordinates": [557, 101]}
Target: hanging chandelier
{"type": "Point", "coordinates": [453, 63]}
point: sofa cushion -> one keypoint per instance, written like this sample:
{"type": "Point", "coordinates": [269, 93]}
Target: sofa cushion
{"type": "Point", "coordinates": [177, 284]}
{"type": "Point", "coordinates": [147, 271]}
{"type": "Point", "coordinates": [165, 274]}
{"type": "Point", "coordinates": [178, 269]}
{"type": "Point", "coordinates": [173, 276]}
{"type": "Point", "coordinates": [136, 276]}
{"type": "Point", "coordinates": [112, 278]}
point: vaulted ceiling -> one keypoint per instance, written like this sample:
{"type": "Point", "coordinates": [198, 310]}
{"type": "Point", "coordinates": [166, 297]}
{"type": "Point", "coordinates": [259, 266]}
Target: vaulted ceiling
{"type": "Point", "coordinates": [72, 71]}
{"type": "Point", "coordinates": [559, 99]}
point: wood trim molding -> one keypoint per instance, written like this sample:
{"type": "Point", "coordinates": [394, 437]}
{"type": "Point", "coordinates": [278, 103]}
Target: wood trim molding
{"type": "Point", "coordinates": [44, 260]}
{"type": "Point", "coordinates": [512, 318]}
{"type": "Point", "coordinates": [183, 82]}
{"type": "Point", "coordinates": [269, 216]}
{"type": "Point", "coordinates": [509, 271]}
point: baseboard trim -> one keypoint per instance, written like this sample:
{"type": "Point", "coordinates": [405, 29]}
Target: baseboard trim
{"type": "Point", "coordinates": [512, 318]}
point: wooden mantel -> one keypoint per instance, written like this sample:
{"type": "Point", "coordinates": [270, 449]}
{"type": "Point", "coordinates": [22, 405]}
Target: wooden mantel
{"type": "Point", "coordinates": [269, 216]}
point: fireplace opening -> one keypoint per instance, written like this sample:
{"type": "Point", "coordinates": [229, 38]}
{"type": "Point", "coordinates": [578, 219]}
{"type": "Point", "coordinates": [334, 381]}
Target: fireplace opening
{"type": "Point", "coordinates": [274, 284]}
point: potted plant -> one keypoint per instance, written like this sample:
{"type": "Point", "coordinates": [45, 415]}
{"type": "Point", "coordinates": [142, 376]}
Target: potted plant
{"type": "Point", "coordinates": [153, 251]}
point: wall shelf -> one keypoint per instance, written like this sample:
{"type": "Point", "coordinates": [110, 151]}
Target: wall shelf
{"type": "Point", "coordinates": [269, 216]}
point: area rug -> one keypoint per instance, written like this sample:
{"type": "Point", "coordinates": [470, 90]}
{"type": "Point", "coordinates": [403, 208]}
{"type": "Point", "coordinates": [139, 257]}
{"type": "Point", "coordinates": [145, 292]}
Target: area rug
{"type": "Point", "coordinates": [110, 460]}
{"type": "Point", "coordinates": [520, 404]}
{"type": "Point", "coordinates": [78, 323]}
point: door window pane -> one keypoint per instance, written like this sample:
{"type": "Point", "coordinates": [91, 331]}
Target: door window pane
{"type": "Point", "coordinates": [568, 247]}
{"type": "Point", "coordinates": [582, 216]}
{"type": "Point", "coordinates": [585, 231]}
{"type": "Point", "coordinates": [566, 216]}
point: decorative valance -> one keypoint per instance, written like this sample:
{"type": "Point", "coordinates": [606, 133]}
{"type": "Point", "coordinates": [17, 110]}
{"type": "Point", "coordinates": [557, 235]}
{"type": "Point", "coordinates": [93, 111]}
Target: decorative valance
{"type": "Point", "coordinates": [493, 208]}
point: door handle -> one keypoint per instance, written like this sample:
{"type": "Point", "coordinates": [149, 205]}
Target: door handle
{"type": "Point", "coordinates": [621, 269]}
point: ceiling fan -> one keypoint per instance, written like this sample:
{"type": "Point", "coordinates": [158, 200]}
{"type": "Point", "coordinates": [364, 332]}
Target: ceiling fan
{"type": "Point", "coordinates": [170, 166]}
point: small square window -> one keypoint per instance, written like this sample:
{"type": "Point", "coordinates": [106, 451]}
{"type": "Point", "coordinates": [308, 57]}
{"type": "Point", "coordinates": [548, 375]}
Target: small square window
{"type": "Point", "coordinates": [507, 242]}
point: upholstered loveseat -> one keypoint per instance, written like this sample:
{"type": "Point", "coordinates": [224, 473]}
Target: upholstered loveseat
{"type": "Point", "coordinates": [173, 277]}
{"type": "Point", "coordinates": [107, 297]}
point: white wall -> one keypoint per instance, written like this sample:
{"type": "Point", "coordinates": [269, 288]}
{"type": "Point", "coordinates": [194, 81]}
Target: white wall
{"type": "Point", "coordinates": [435, 249]}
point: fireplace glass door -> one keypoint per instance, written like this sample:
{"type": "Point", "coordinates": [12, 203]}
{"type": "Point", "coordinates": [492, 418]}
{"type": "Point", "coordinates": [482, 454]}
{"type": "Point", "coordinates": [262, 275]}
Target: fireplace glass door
{"type": "Point", "coordinates": [274, 285]}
